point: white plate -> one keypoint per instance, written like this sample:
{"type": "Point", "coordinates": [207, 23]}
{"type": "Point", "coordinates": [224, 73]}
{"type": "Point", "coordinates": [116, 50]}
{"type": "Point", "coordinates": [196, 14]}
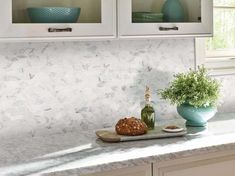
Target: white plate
{"type": "Point", "coordinates": [173, 130]}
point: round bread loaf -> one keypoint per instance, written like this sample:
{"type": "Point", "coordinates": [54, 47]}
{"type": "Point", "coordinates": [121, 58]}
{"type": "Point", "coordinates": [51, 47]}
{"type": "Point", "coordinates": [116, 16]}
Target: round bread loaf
{"type": "Point", "coordinates": [131, 127]}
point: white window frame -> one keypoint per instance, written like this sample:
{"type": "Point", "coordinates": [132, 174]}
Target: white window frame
{"type": "Point", "coordinates": [218, 62]}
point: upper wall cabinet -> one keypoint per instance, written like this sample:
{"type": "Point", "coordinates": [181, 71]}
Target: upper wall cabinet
{"type": "Point", "coordinates": [155, 18]}
{"type": "Point", "coordinates": [58, 18]}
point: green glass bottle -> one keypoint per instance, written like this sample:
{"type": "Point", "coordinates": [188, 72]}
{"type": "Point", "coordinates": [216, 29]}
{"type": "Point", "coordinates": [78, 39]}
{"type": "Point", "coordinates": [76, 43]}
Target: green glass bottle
{"type": "Point", "coordinates": [148, 113]}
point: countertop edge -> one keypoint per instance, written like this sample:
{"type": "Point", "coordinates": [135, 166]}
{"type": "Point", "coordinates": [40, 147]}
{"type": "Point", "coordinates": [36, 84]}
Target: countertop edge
{"type": "Point", "coordinates": [145, 160]}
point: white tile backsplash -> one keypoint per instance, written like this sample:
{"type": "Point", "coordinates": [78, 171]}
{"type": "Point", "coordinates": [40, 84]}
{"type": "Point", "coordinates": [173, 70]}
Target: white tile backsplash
{"type": "Point", "coordinates": [227, 93]}
{"type": "Point", "coordinates": [60, 87]}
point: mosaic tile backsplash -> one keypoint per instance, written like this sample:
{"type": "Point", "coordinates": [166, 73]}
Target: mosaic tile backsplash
{"type": "Point", "coordinates": [60, 87]}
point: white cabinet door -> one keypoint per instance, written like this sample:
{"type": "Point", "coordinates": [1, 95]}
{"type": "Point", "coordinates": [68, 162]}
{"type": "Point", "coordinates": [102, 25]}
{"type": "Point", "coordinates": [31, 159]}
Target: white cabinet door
{"type": "Point", "coordinates": [131, 171]}
{"type": "Point", "coordinates": [97, 20]}
{"type": "Point", "coordinates": [198, 19]}
{"type": "Point", "coordinates": [216, 169]}
{"type": "Point", "coordinates": [210, 166]}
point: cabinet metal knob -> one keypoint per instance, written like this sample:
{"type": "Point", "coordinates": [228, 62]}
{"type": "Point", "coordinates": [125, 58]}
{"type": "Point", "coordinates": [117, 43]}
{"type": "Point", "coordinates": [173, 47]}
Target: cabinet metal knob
{"type": "Point", "coordinates": [60, 30]}
{"type": "Point", "coordinates": [169, 28]}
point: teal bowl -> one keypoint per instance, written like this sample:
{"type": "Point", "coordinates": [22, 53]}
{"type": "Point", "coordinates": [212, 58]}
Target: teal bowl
{"type": "Point", "coordinates": [196, 117]}
{"type": "Point", "coordinates": [54, 14]}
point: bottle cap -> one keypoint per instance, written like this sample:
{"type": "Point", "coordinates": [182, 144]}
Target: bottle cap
{"type": "Point", "coordinates": [147, 94]}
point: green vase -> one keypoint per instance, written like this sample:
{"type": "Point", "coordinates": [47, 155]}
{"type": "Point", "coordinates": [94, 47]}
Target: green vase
{"type": "Point", "coordinates": [196, 117]}
{"type": "Point", "coordinates": [173, 11]}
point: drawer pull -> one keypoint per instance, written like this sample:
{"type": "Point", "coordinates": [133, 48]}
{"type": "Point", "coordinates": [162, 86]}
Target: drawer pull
{"type": "Point", "coordinates": [168, 28]}
{"type": "Point", "coordinates": [60, 30]}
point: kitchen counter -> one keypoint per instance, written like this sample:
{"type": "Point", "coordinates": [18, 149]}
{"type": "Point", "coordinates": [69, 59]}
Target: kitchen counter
{"type": "Point", "coordinates": [83, 153]}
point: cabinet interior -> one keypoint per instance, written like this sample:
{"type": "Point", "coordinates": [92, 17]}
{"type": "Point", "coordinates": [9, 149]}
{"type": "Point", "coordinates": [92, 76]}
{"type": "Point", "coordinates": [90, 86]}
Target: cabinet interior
{"type": "Point", "coordinates": [192, 8]}
{"type": "Point", "coordinates": [91, 10]}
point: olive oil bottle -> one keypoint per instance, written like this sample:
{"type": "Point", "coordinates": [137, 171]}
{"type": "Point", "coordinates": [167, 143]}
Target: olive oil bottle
{"type": "Point", "coordinates": [148, 113]}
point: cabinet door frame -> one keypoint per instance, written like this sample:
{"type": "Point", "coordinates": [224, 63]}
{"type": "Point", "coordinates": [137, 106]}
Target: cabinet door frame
{"type": "Point", "coordinates": [127, 29]}
{"type": "Point", "coordinates": [194, 163]}
{"type": "Point", "coordinates": [105, 29]}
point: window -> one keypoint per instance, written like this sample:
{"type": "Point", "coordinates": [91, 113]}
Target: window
{"type": "Point", "coordinates": [218, 52]}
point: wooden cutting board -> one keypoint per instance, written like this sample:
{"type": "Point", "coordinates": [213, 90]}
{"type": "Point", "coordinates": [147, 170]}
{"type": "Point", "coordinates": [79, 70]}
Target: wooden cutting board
{"type": "Point", "coordinates": [109, 135]}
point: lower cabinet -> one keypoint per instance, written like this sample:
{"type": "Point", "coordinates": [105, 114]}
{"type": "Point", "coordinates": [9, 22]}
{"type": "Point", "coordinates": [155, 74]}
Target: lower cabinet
{"type": "Point", "coordinates": [215, 164]}
{"type": "Point", "coordinates": [130, 171]}
{"type": "Point", "coordinates": [219, 164]}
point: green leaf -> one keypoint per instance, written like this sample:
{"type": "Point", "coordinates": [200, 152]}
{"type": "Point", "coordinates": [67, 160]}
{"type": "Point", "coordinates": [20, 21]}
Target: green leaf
{"type": "Point", "coordinates": [196, 88]}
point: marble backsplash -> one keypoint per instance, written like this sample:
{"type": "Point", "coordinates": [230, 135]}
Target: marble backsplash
{"type": "Point", "coordinates": [61, 87]}
{"type": "Point", "coordinates": [228, 94]}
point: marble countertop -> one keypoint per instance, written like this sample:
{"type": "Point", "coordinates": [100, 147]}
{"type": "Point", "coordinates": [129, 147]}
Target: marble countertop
{"type": "Point", "coordinates": [82, 153]}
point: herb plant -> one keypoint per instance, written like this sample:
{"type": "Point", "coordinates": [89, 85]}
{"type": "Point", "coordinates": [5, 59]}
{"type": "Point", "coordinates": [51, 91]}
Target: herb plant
{"type": "Point", "coordinates": [195, 88]}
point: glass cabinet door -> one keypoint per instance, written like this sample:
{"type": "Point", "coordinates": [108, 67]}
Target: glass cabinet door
{"type": "Point", "coordinates": [165, 17]}
{"type": "Point", "coordinates": [57, 18]}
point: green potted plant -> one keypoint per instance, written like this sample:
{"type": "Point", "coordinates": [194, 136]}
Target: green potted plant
{"type": "Point", "coordinates": [196, 95]}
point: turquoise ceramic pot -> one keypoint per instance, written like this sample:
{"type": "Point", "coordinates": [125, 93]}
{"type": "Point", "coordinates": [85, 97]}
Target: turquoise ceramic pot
{"type": "Point", "coordinates": [54, 14]}
{"type": "Point", "coordinates": [173, 11]}
{"type": "Point", "coordinates": [196, 117]}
